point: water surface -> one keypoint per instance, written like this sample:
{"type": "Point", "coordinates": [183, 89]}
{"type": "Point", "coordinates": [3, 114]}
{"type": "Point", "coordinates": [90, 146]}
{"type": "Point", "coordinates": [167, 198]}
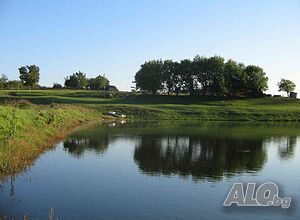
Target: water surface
{"type": "Point", "coordinates": [143, 170]}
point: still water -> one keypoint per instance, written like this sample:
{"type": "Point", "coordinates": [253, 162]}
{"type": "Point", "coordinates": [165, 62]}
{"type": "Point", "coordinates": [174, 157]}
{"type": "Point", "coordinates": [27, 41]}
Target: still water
{"type": "Point", "coordinates": [157, 170]}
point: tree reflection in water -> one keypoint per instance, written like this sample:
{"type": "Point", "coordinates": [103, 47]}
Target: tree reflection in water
{"type": "Point", "coordinates": [200, 157]}
{"type": "Point", "coordinates": [286, 147]}
{"type": "Point", "coordinates": [90, 139]}
{"type": "Point", "coordinates": [188, 151]}
{"type": "Point", "coordinates": [206, 151]}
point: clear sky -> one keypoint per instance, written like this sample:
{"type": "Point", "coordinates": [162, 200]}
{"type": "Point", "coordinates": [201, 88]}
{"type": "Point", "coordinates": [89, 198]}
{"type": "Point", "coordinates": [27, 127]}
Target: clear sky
{"type": "Point", "coordinates": [115, 37]}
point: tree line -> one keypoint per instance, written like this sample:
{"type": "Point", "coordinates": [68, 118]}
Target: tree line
{"type": "Point", "coordinates": [29, 78]}
{"type": "Point", "coordinates": [201, 76]}
{"type": "Point", "coordinates": [30, 75]}
{"type": "Point", "coordinates": [79, 80]}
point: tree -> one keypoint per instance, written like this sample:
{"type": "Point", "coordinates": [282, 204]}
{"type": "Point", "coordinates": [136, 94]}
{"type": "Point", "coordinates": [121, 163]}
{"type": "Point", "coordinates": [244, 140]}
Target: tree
{"type": "Point", "coordinates": [256, 80]}
{"type": "Point", "coordinates": [3, 81]}
{"type": "Point", "coordinates": [99, 83]}
{"type": "Point", "coordinates": [200, 70]}
{"type": "Point", "coordinates": [149, 78]}
{"type": "Point", "coordinates": [215, 69]}
{"type": "Point", "coordinates": [187, 76]}
{"type": "Point", "coordinates": [235, 78]}
{"type": "Point", "coordinates": [57, 86]}
{"type": "Point", "coordinates": [34, 75]}
{"type": "Point", "coordinates": [30, 75]}
{"type": "Point", "coordinates": [77, 80]}
{"type": "Point", "coordinates": [177, 79]}
{"type": "Point", "coordinates": [168, 74]}
{"type": "Point", "coordinates": [210, 75]}
{"type": "Point", "coordinates": [286, 85]}
{"type": "Point", "coordinates": [24, 75]}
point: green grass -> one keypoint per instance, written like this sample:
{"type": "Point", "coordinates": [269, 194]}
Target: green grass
{"type": "Point", "coordinates": [26, 130]}
{"type": "Point", "coordinates": [168, 107]}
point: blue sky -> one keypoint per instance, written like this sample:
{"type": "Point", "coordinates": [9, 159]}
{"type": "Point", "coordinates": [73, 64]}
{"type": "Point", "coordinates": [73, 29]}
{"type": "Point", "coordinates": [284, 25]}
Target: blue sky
{"type": "Point", "coordinates": [115, 37]}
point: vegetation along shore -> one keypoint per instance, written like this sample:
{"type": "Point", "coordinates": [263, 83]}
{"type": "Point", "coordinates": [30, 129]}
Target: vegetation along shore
{"type": "Point", "coordinates": [33, 117]}
{"type": "Point", "coordinates": [27, 130]}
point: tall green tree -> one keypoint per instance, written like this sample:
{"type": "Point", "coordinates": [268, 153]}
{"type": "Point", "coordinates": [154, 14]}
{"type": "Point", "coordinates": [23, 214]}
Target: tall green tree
{"type": "Point", "coordinates": [235, 78]}
{"type": "Point", "coordinates": [185, 69]}
{"type": "Point", "coordinates": [256, 80]}
{"type": "Point", "coordinates": [168, 74]}
{"type": "Point", "coordinates": [177, 79]}
{"type": "Point", "coordinates": [3, 81]}
{"type": "Point", "coordinates": [210, 75]}
{"type": "Point", "coordinates": [57, 86]}
{"type": "Point", "coordinates": [34, 75]}
{"type": "Point", "coordinates": [150, 78]}
{"type": "Point", "coordinates": [215, 68]}
{"type": "Point", "coordinates": [30, 75]}
{"type": "Point", "coordinates": [286, 85]}
{"type": "Point", "coordinates": [77, 80]}
{"type": "Point", "coordinates": [200, 70]}
{"type": "Point", "coordinates": [99, 83]}
{"type": "Point", "coordinates": [24, 74]}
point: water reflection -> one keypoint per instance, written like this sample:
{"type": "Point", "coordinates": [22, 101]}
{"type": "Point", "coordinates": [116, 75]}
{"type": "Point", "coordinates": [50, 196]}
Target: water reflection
{"type": "Point", "coordinates": [286, 147]}
{"type": "Point", "coordinates": [89, 139]}
{"type": "Point", "coordinates": [200, 151]}
{"type": "Point", "coordinates": [200, 157]}
{"type": "Point", "coordinates": [203, 152]}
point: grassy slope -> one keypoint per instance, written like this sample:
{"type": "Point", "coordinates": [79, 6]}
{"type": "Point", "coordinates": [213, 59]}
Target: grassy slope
{"type": "Point", "coordinates": [27, 130]}
{"type": "Point", "coordinates": [164, 107]}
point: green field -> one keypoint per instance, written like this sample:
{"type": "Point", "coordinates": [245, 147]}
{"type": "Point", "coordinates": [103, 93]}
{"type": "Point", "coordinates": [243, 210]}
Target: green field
{"type": "Point", "coordinates": [167, 107]}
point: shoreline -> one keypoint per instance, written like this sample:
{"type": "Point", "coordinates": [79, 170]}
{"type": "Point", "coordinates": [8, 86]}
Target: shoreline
{"type": "Point", "coordinates": [22, 149]}
{"type": "Point", "coordinates": [29, 129]}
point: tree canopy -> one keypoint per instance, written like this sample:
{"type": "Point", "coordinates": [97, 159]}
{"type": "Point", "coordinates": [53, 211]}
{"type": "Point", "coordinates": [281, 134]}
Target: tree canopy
{"type": "Point", "coordinates": [256, 80]}
{"type": "Point", "coordinates": [3, 80]}
{"type": "Point", "coordinates": [30, 75]}
{"type": "Point", "coordinates": [57, 86]}
{"type": "Point", "coordinates": [286, 85]}
{"type": "Point", "coordinates": [150, 76]}
{"type": "Point", "coordinates": [77, 80]}
{"type": "Point", "coordinates": [204, 76]}
{"type": "Point", "coordinates": [99, 83]}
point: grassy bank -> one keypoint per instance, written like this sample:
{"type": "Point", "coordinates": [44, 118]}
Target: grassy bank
{"type": "Point", "coordinates": [264, 109]}
{"type": "Point", "coordinates": [26, 130]}
{"type": "Point", "coordinates": [168, 107]}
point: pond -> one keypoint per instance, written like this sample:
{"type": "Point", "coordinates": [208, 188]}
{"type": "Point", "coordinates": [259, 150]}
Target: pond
{"type": "Point", "coordinates": [158, 170]}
